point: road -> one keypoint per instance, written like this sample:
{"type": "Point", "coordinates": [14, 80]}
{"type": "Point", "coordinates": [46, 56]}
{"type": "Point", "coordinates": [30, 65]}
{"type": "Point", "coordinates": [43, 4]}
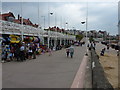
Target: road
{"type": "Point", "coordinates": [56, 71]}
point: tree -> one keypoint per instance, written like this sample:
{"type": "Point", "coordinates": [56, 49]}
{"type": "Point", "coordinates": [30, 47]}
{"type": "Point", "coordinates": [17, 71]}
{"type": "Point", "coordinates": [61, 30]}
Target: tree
{"type": "Point", "coordinates": [91, 39]}
{"type": "Point", "coordinates": [79, 37]}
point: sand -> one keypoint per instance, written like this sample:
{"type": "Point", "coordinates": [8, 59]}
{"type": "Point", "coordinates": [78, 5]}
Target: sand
{"type": "Point", "coordinates": [110, 66]}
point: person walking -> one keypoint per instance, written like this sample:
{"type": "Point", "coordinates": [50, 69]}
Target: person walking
{"type": "Point", "coordinates": [50, 51]}
{"type": "Point", "coordinates": [71, 51]}
{"type": "Point", "coordinates": [67, 52]}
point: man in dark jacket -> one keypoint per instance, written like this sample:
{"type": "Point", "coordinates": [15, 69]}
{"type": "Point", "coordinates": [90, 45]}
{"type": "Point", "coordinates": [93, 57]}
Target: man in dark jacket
{"type": "Point", "coordinates": [34, 47]}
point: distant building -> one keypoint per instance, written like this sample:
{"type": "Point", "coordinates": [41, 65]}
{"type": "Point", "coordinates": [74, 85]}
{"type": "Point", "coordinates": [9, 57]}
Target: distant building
{"type": "Point", "coordinates": [74, 32]}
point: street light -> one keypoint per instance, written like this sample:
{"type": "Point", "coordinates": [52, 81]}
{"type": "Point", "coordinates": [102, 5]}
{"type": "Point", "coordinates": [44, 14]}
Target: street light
{"type": "Point", "coordinates": [86, 26]}
{"type": "Point", "coordinates": [86, 35]}
{"type": "Point", "coordinates": [66, 32]}
{"type": "Point", "coordinates": [49, 29]}
{"type": "Point", "coordinates": [22, 20]}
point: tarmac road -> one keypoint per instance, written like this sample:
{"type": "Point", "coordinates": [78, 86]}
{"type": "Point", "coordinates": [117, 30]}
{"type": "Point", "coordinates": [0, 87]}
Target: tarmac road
{"type": "Point", "coordinates": [56, 71]}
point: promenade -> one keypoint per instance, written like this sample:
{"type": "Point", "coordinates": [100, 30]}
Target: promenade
{"type": "Point", "coordinates": [56, 71]}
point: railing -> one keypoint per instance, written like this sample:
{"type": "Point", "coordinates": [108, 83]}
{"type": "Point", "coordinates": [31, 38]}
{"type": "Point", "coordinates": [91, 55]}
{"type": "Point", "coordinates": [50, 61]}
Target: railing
{"type": "Point", "coordinates": [10, 27]}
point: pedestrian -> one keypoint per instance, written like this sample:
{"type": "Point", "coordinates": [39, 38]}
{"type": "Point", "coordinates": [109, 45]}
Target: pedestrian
{"type": "Point", "coordinates": [102, 52]}
{"type": "Point", "coordinates": [107, 47]}
{"type": "Point", "coordinates": [67, 52]}
{"type": "Point", "coordinates": [50, 51]}
{"type": "Point", "coordinates": [34, 48]}
{"type": "Point", "coordinates": [12, 50]}
{"type": "Point", "coordinates": [54, 48]}
{"type": "Point", "coordinates": [8, 54]}
{"type": "Point", "coordinates": [30, 53]}
{"type": "Point", "coordinates": [88, 45]}
{"type": "Point", "coordinates": [27, 49]}
{"type": "Point", "coordinates": [3, 53]}
{"type": "Point", "coordinates": [22, 53]}
{"type": "Point", "coordinates": [71, 51]}
{"type": "Point", "coordinates": [118, 52]}
{"type": "Point", "coordinates": [17, 53]}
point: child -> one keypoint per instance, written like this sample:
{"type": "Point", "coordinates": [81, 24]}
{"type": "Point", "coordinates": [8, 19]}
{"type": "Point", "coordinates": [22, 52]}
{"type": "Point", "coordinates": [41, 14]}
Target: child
{"type": "Point", "coordinates": [67, 52]}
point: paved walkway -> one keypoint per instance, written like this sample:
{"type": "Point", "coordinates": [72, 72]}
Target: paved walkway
{"type": "Point", "coordinates": [56, 71]}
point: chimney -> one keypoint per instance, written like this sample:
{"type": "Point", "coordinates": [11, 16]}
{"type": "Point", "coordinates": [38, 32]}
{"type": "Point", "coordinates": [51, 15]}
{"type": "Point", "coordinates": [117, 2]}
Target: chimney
{"type": "Point", "coordinates": [10, 12]}
{"type": "Point", "coordinates": [18, 17]}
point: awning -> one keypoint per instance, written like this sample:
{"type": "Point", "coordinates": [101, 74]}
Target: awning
{"type": "Point", "coordinates": [14, 41]}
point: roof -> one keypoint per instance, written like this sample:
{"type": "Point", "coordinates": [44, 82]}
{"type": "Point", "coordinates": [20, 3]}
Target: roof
{"type": "Point", "coordinates": [10, 14]}
{"type": "Point", "coordinates": [5, 15]}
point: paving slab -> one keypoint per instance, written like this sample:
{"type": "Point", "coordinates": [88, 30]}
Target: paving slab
{"type": "Point", "coordinates": [56, 71]}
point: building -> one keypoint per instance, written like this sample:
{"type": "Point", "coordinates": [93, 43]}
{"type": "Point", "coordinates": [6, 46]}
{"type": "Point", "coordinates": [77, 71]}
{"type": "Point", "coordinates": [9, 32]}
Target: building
{"type": "Point", "coordinates": [10, 17]}
{"type": "Point", "coordinates": [74, 32]}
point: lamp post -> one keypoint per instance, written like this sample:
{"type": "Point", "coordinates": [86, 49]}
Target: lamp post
{"type": "Point", "coordinates": [86, 35]}
{"type": "Point", "coordinates": [49, 29]}
{"type": "Point", "coordinates": [22, 20]}
{"type": "Point", "coordinates": [86, 26]}
{"type": "Point", "coordinates": [66, 32]}
{"type": "Point", "coordinates": [56, 34]}
{"type": "Point", "coordinates": [39, 22]}
{"type": "Point", "coordinates": [43, 29]}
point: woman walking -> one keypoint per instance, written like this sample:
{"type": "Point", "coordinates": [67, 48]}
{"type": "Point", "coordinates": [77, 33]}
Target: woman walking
{"type": "Point", "coordinates": [71, 51]}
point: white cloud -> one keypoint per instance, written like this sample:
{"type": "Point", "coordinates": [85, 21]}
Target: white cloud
{"type": "Point", "coordinates": [100, 15]}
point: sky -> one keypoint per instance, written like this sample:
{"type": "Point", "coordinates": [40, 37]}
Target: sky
{"type": "Point", "coordinates": [101, 15]}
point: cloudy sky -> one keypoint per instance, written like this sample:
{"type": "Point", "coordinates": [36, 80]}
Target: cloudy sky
{"type": "Point", "coordinates": [101, 15]}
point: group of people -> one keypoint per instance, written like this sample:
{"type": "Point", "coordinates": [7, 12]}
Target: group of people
{"type": "Point", "coordinates": [19, 52]}
{"type": "Point", "coordinates": [70, 51]}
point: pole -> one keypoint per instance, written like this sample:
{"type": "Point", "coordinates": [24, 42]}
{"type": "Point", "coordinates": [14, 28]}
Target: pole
{"type": "Point", "coordinates": [22, 19]}
{"type": "Point", "coordinates": [86, 27]}
{"type": "Point", "coordinates": [43, 21]}
{"type": "Point", "coordinates": [44, 29]}
{"type": "Point", "coordinates": [38, 20]}
{"type": "Point", "coordinates": [48, 27]}
{"type": "Point", "coordinates": [55, 43]}
{"type": "Point", "coordinates": [62, 32]}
